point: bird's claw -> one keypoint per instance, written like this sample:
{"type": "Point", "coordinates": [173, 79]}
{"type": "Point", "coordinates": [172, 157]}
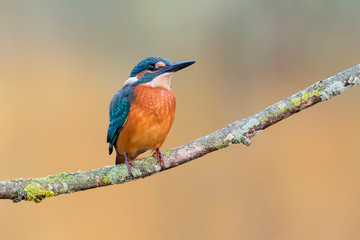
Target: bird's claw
{"type": "Point", "coordinates": [160, 158]}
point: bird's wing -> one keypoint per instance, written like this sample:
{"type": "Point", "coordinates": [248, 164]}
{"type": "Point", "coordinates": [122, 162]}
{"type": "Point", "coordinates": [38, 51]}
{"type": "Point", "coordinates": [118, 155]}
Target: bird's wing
{"type": "Point", "coordinates": [119, 110]}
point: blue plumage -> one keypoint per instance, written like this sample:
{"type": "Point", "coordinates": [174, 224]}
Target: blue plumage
{"type": "Point", "coordinates": [119, 110]}
{"type": "Point", "coordinates": [141, 66]}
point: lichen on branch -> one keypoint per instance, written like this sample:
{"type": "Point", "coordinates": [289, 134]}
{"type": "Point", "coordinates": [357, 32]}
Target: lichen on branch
{"type": "Point", "coordinates": [37, 189]}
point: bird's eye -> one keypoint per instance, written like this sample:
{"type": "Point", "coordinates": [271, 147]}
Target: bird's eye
{"type": "Point", "coordinates": [151, 67]}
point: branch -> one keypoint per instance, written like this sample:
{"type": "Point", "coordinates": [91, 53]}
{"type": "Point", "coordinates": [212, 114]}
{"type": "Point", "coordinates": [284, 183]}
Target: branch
{"type": "Point", "coordinates": [36, 189]}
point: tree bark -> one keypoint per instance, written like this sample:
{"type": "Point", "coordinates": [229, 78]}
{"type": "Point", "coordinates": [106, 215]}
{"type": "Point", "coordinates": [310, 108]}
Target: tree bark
{"type": "Point", "coordinates": [37, 189]}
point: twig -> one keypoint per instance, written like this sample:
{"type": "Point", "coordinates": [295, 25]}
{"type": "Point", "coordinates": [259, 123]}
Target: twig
{"type": "Point", "coordinates": [36, 189]}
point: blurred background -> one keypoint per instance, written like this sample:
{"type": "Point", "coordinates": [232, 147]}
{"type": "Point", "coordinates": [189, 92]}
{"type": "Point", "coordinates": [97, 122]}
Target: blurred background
{"type": "Point", "coordinates": [62, 61]}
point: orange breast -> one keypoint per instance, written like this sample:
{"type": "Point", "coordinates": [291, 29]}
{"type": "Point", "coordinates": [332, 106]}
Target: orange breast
{"type": "Point", "coordinates": [151, 115]}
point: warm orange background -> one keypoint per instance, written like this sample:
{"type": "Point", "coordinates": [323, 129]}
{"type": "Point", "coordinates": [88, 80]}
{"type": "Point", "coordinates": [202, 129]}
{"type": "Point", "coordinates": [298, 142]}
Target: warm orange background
{"type": "Point", "coordinates": [62, 61]}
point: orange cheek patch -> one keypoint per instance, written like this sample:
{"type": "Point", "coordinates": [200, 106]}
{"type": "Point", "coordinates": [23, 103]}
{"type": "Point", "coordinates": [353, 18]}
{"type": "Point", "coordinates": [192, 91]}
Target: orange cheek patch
{"type": "Point", "coordinates": [160, 64]}
{"type": "Point", "coordinates": [141, 74]}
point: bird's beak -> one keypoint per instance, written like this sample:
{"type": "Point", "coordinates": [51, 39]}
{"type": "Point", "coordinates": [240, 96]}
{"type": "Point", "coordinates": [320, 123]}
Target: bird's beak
{"type": "Point", "coordinates": [173, 67]}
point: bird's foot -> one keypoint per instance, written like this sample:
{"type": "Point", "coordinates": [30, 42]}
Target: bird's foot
{"type": "Point", "coordinates": [160, 158]}
{"type": "Point", "coordinates": [129, 165]}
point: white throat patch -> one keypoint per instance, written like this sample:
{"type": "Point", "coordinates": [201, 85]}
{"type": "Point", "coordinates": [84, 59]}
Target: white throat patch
{"type": "Point", "coordinates": [163, 80]}
{"type": "Point", "coordinates": [131, 80]}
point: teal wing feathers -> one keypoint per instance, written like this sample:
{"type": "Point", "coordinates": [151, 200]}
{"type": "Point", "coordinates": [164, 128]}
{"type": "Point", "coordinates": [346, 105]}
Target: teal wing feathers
{"type": "Point", "coordinates": [119, 110]}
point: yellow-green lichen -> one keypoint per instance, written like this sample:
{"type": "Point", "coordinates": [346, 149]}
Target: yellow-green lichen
{"type": "Point", "coordinates": [317, 93]}
{"type": "Point", "coordinates": [296, 101]}
{"type": "Point", "coordinates": [106, 180]}
{"type": "Point", "coordinates": [166, 153]}
{"type": "Point", "coordinates": [305, 96]}
{"type": "Point", "coordinates": [271, 112]}
{"type": "Point", "coordinates": [35, 192]}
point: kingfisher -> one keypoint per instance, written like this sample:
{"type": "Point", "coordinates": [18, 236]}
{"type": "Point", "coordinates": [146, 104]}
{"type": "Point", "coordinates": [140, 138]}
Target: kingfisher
{"type": "Point", "coordinates": [143, 110]}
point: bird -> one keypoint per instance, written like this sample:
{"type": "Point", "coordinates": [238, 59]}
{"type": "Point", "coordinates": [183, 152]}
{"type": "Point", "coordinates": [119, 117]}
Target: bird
{"type": "Point", "coordinates": [142, 111]}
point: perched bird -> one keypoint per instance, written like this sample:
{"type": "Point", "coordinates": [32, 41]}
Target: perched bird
{"type": "Point", "coordinates": [143, 110]}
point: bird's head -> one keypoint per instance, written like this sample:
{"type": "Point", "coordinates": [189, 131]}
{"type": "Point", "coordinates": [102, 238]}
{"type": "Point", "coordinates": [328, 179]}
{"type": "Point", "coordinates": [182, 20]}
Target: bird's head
{"type": "Point", "coordinates": [155, 71]}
